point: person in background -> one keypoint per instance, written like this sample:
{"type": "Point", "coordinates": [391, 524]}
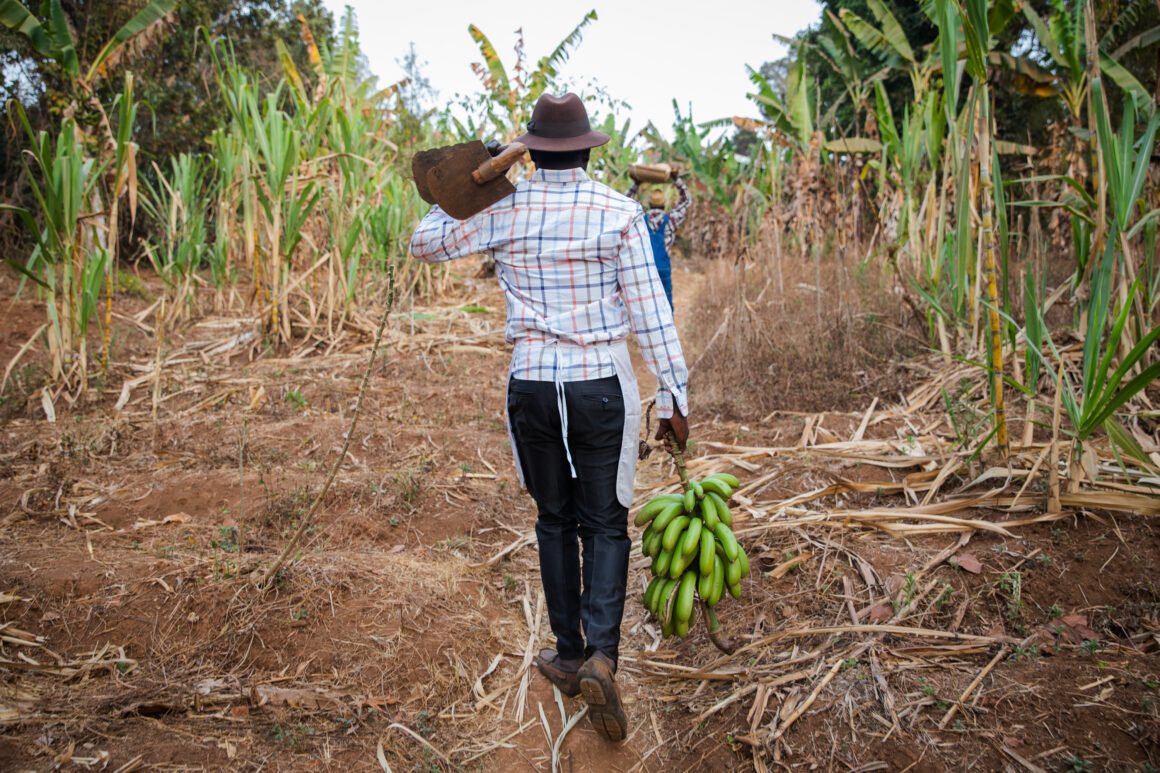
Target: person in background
{"type": "Point", "coordinates": [573, 259]}
{"type": "Point", "coordinates": [662, 225]}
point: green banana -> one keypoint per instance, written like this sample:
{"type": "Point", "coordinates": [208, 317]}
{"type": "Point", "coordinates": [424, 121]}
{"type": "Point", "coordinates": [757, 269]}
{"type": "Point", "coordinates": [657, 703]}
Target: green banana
{"type": "Point", "coordinates": [655, 602]}
{"type": "Point", "coordinates": [680, 562]}
{"type": "Point", "coordinates": [692, 536]}
{"type": "Point", "coordinates": [723, 512]}
{"type": "Point", "coordinates": [733, 572]}
{"type": "Point", "coordinates": [662, 562]}
{"type": "Point", "coordinates": [681, 628]}
{"type": "Point", "coordinates": [706, 559]}
{"type": "Point", "coordinates": [709, 513]}
{"type": "Point", "coordinates": [726, 478]}
{"type": "Point", "coordinates": [744, 559]}
{"type": "Point", "coordinates": [645, 538]}
{"type": "Point", "coordinates": [665, 517]}
{"type": "Point", "coordinates": [665, 600]}
{"type": "Point", "coordinates": [735, 590]}
{"type": "Point", "coordinates": [684, 605]}
{"type": "Point", "coordinates": [718, 487]}
{"type": "Point", "coordinates": [698, 490]}
{"type": "Point", "coordinates": [654, 548]}
{"type": "Point", "coordinates": [704, 584]}
{"type": "Point", "coordinates": [728, 541]}
{"type": "Point", "coordinates": [651, 590]}
{"type": "Point", "coordinates": [718, 582]}
{"type": "Point", "coordinates": [654, 507]}
{"type": "Point", "coordinates": [690, 499]}
{"type": "Point", "coordinates": [668, 598]}
{"type": "Point", "coordinates": [674, 531]}
{"type": "Point", "coordinates": [667, 629]}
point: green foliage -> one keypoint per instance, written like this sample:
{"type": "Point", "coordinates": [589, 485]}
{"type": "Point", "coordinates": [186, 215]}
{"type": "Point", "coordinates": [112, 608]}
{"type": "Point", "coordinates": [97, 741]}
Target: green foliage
{"type": "Point", "coordinates": [505, 104]}
{"type": "Point", "coordinates": [179, 204]}
{"type": "Point", "coordinates": [64, 177]}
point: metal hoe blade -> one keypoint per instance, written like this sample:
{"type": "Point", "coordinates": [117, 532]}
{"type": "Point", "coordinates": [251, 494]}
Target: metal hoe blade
{"type": "Point", "coordinates": [422, 163]}
{"type": "Point", "coordinates": [451, 184]}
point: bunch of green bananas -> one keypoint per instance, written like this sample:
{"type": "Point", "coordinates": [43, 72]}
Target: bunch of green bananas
{"type": "Point", "coordinates": [693, 550]}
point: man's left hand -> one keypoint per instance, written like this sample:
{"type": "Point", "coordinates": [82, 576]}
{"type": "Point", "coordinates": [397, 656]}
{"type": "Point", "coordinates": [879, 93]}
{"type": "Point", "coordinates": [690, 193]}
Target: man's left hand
{"type": "Point", "coordinates": [494, 148]}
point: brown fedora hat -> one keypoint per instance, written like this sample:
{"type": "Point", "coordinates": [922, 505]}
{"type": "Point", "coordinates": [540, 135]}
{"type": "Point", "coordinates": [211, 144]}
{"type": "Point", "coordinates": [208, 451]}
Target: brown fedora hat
{"type": "Point", "coordinates": [560, 124]}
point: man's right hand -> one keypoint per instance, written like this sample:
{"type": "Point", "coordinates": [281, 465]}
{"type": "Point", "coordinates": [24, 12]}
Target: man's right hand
{"type": "Point", "coordinates": [678, 425]}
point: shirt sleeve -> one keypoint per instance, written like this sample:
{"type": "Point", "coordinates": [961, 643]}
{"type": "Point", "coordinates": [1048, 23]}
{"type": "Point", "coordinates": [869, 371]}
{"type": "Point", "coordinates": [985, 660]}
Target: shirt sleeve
{"type": "Point", "coordinates": [680, 210]}
{"type": "Point", "coordinates": [651, 318]}
{"type": "Point", "coordinates": [440, 237]}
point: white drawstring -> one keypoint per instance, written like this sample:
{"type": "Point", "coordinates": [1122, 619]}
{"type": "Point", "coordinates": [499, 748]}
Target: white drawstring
{"type": "Point", "coordinates": [561, 403]}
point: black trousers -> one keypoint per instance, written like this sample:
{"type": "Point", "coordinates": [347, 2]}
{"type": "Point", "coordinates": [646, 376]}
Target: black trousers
{"type": "Point", "coordinates": [585, 598]}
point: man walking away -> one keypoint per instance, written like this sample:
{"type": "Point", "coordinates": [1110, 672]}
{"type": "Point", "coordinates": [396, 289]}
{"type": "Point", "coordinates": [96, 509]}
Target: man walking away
{"type": "Point", "coordinates": [574, 262]}
{"type": "Point", "coordinates": [662, 226]}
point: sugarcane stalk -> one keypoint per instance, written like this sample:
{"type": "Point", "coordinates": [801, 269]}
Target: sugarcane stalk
{"type": "Point", "coordinates": [986, 206]}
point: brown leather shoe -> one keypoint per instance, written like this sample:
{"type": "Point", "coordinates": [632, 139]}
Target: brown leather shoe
{"type": "Point", "coordinates": [562, 672]}
{"type": "Point", "coordinates": [598, 685]}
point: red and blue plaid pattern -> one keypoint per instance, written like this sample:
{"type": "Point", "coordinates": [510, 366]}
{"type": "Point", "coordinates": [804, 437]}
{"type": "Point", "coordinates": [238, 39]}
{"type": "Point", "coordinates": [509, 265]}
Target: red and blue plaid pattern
{"type": "Point", "coordinates": [575, 264]}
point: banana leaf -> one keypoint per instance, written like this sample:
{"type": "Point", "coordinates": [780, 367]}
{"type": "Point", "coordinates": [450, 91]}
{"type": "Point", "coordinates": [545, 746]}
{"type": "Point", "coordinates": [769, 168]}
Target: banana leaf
{"type": "Point", "coordinates": [546, 68]}
{"type": "Point", "coordinates": [1008, 148]}
{"type": "Point", "coordinates": [892, 30]}
{"type": "Point", "coordinates": [14, 15]}
{"type": "Point", "coordinates": [497, 74]}
{"type": "Point", "coordinates": [145, 18]}
{"type": "Point", "coordinates": [854, 145]}
{"type": "Point", "coordinates": [63, 48]}
{"type": "Point", "coordinates": [1143, 40]}
{"type": "Point", "coordinates": [1124, 79]}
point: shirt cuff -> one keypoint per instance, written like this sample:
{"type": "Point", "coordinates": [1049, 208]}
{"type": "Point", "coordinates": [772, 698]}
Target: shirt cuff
{"type": "Point", "coordinates": [665, 399]}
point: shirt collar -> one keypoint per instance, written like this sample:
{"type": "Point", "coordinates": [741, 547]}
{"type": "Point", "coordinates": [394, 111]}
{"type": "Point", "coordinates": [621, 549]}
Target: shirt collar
{"type": "Point", "coordinates": [561, 175]}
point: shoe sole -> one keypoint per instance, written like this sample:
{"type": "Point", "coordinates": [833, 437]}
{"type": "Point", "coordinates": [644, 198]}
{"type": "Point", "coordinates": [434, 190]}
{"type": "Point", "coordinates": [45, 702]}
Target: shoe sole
{"type": "Point", "coordinates": [606, 716]}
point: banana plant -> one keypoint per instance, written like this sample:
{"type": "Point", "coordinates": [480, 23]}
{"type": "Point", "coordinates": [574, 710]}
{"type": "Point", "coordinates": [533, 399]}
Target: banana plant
{"type": "Point", "coordinates": [889, 43]}
{"type": "Point", "coordinates": [787, 114]}
{"type": "Point", "coordinates": [53, 39]}
{"type": "Point", "coordinates": [610, 161]}
{"type": "Point", "coordinates": [835, 49]}
{"type": "Point", "coordinates": [508, 99]}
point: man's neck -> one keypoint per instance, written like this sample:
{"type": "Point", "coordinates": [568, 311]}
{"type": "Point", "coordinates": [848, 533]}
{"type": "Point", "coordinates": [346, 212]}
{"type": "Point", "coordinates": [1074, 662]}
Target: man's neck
{"type": "Point", "coordinates": [562, 167]}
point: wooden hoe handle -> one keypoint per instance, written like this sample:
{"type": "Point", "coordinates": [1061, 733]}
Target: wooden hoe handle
{"type": "Point", "coordinates": [494, 167]}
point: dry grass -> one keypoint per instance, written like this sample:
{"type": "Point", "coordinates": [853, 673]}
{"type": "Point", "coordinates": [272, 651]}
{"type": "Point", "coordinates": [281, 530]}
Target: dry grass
{"type": "Point", "coordinates": [769, 339]}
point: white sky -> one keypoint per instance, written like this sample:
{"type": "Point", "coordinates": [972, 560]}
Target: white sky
{"type": "Point", "coordinates": [644, 53]}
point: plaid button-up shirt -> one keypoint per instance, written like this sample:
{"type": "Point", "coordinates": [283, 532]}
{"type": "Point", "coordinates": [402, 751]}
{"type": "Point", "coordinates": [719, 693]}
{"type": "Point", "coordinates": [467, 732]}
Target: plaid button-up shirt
{"type": "Point", "coordinates": [575, 264]}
